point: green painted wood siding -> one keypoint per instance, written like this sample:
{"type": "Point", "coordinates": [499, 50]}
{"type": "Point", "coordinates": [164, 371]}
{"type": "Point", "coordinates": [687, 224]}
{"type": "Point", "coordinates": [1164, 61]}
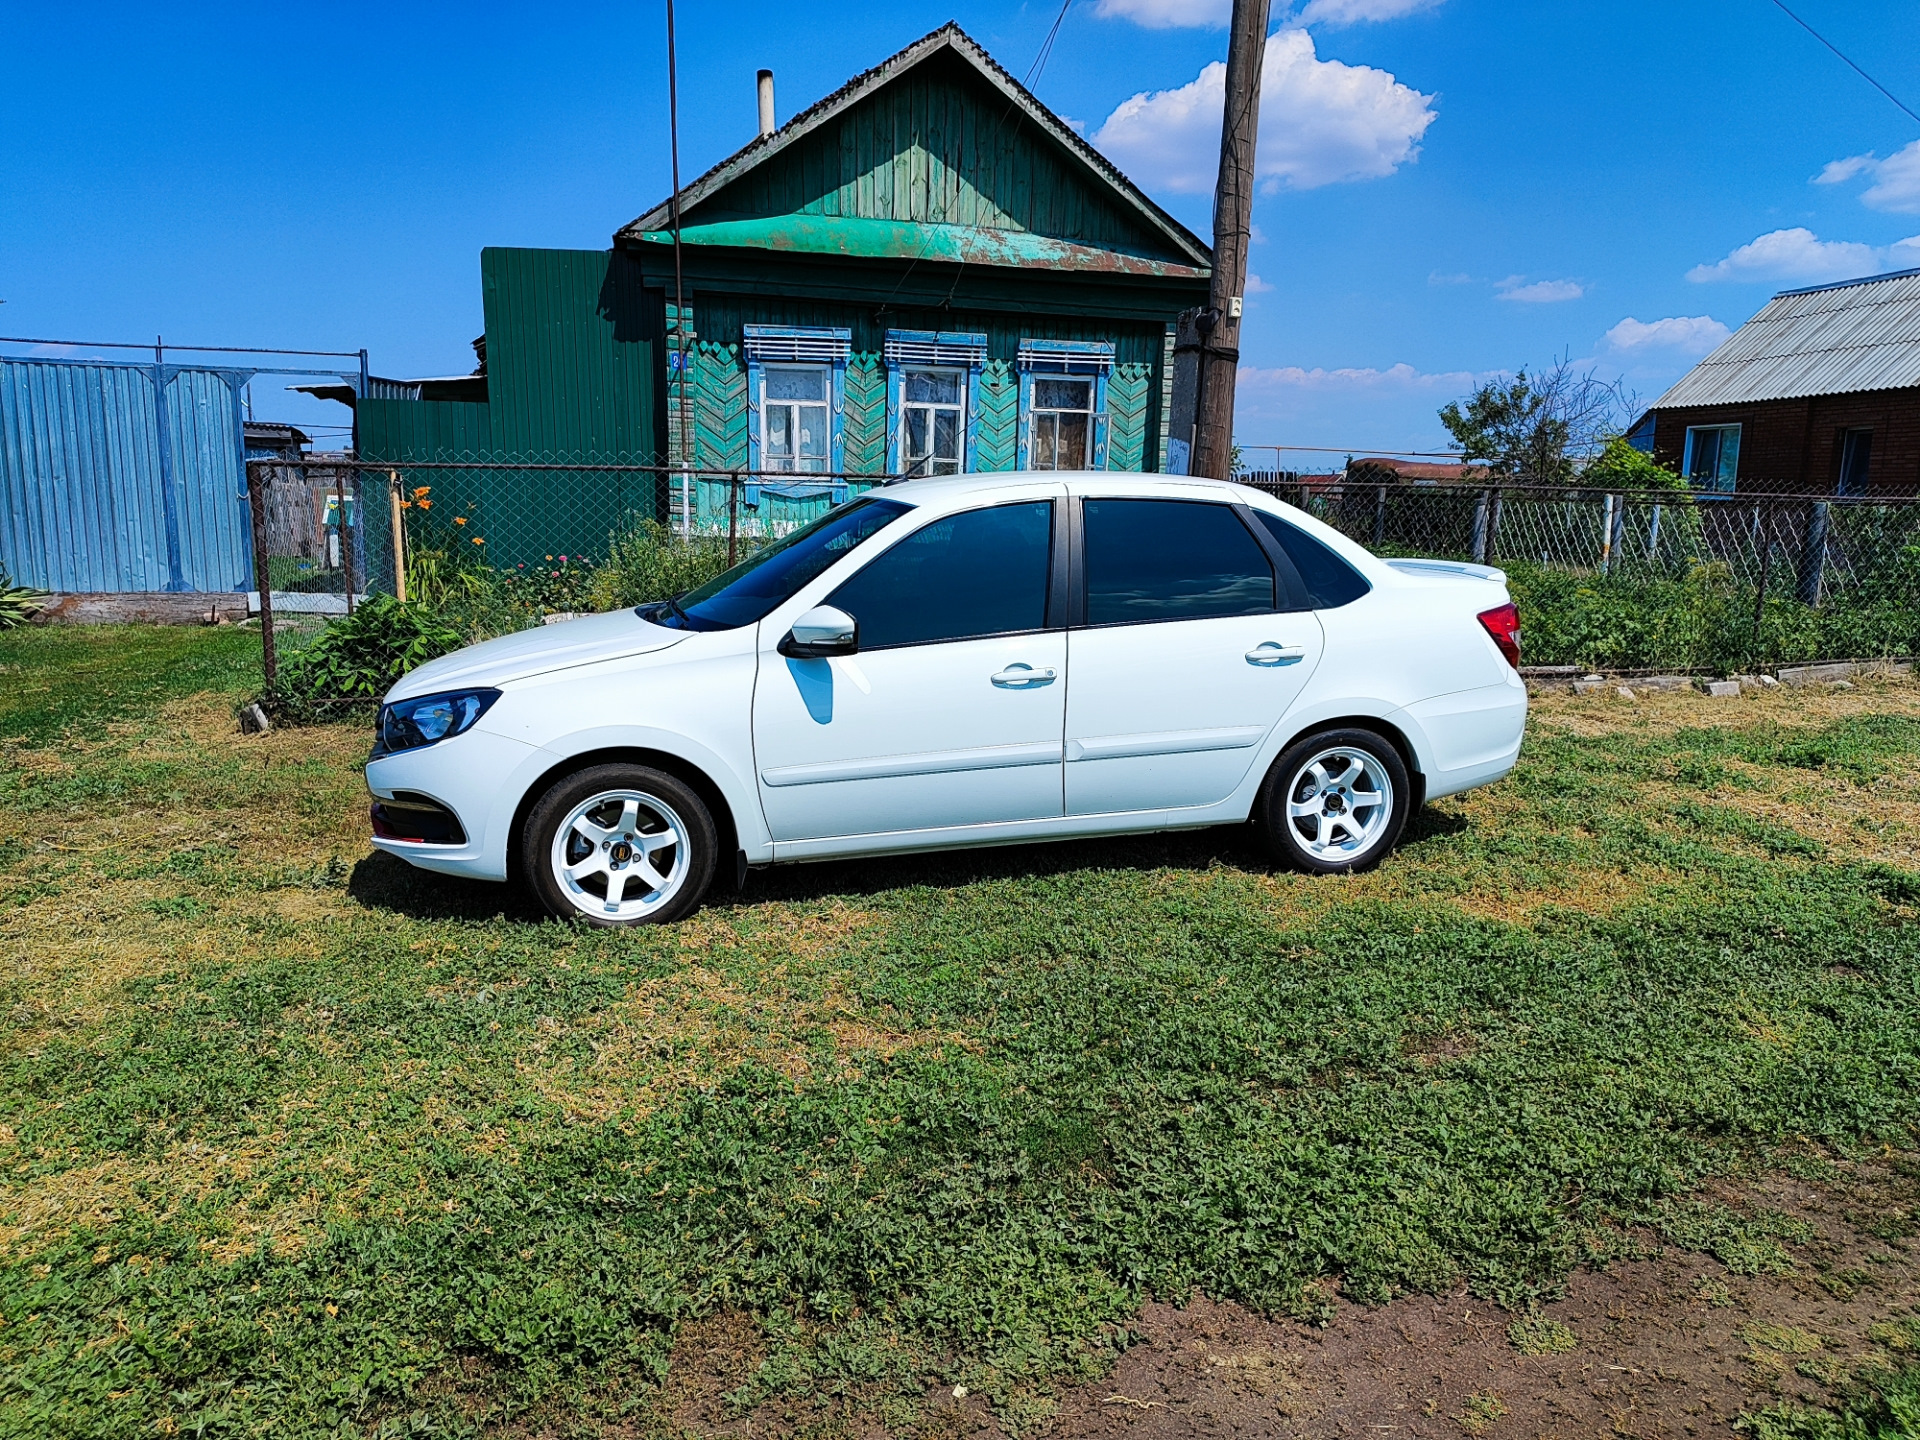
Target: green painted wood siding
{"type": "Point", "coordinates": [936, 147]}
{"type": "Point", "coordinates": [574, 362]}
{"type": "Point", "coordinates": [1135, 392]}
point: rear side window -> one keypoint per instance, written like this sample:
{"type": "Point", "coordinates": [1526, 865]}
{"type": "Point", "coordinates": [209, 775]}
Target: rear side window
{"type": "Point", "coordinates": [982, 572]}
{"type": "Point", "coordinates": [1171, 560]}
{"type": "Point", "coordinates": [1331, 582]}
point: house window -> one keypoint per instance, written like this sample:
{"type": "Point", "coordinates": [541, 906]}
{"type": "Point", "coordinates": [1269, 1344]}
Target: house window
{"type": "Point", "coordinates": [1063, 404]}
{"type": "Point", "coordinates": [1062, 423]}
{"type": "Point", "coordinates": [1712, 459]}
{"type": "Point", "coordinates": [1856, 455]}
{"type": "Point", "coordinates": [796, 398]}
{"type": "Point", "coordinates": [933, 422]}
{"type": "Point", "coordinates": [796, 419]}
{"type": "Point", "coordinates": [933, 400]}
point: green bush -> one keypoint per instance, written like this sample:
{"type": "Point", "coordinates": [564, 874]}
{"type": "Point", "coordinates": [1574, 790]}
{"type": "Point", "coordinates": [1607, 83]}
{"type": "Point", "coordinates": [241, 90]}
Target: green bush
{"type": "Point", "coordinates": [357, 658]}
{"type": "Point", "coordinates": [649, 563]}
{"type": "Point", "coordinates": [18, 603]}
{"type": "Point", "coordinates": [1704, 620]}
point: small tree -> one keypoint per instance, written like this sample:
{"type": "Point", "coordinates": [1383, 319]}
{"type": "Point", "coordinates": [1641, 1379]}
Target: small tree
{"type": "Point", "coordinates": [1539, 426]}
{"type": "Point", "coordinates": [1509, 426]}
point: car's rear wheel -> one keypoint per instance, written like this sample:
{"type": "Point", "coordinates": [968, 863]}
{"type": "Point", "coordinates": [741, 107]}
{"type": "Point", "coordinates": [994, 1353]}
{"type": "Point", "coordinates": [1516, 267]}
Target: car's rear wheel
{"type": "Point", "coordinates": [1335, 801]}
{"type": "Point", "coordinates": [619, 845]}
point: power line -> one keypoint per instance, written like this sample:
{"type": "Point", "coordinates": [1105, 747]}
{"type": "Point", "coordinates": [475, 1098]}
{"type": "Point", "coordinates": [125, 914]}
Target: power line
{"type": "Point", "coordinates": [1905, 108]}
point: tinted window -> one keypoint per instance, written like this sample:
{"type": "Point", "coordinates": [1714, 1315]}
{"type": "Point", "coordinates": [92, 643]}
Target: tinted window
{"type": "Point", "coordinates": [771, 576]}
{"type": "Point", "coordinates": [979, 573]}
{"type": "Point", "coordinates": [1330, 581]}
{"type": "Point", "coordinates": [1171, 560]}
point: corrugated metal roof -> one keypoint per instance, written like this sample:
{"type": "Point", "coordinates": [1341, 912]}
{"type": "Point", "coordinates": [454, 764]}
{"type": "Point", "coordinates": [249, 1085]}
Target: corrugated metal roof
{"type": "Point", "coordinates": [1827, 340]}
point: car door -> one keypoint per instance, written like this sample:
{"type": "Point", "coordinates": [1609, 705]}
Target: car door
{"type": "Point", "coordinates": [1190, 650]}
{"type": "Point", "coordinates": [950, 711]}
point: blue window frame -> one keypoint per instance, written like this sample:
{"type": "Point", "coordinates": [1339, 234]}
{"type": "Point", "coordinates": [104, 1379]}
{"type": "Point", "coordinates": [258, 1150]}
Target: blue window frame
{"type": "Point", "coordinates": [1712, 459]}
{"type": "Point", "coordinates": [933, 400]}
{"type": "Point", "coordinates": [796, 379]}
{"type": "Point", "coordinates": [1063, 404]}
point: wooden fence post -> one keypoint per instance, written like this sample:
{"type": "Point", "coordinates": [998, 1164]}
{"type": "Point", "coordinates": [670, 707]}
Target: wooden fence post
{"type": "Point", "coordinates": [262, 576]}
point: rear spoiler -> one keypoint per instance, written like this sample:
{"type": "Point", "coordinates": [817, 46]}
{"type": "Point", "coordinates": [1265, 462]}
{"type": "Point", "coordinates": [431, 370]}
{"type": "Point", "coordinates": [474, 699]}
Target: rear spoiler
{"type": "Point", "coordinates": [1450, 567]}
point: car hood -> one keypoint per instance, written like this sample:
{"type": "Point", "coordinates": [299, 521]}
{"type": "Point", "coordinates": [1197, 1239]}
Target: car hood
{"type": "Point", "coordinates": [536, 651]}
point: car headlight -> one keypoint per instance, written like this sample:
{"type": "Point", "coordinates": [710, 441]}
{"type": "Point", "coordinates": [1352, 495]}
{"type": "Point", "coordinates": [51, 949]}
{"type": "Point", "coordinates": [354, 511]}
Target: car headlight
{"type": "Point", "coordinates": [409, 724]}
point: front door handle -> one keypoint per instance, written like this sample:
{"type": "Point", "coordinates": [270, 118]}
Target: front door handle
{"type": "Point", "coordinates": [1022, 677]}
{"type": "Point", "coordinates": [1272, 652]}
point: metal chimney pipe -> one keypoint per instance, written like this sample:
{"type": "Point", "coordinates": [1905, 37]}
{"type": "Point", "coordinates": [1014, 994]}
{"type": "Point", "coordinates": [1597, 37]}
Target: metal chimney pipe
{"type": "Point", "coordinates": [767, 127]}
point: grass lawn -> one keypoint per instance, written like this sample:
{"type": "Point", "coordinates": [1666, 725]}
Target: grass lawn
{"type": "Point", "coordinates": [294, 1139]}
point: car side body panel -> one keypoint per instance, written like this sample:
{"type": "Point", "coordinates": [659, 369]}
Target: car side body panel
{"type": "Point", "coordinates": [1408, 657]}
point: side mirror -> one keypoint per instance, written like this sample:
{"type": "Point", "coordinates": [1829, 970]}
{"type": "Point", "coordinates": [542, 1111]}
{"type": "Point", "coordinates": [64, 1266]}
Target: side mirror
{"type": "Point", "coordinates": [821, 632]}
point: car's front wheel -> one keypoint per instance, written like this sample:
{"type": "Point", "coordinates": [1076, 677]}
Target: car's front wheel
{"type": "Point", "coordinates": [619, 845]}
{"type": "Point", "coordinates": [1335, 801]}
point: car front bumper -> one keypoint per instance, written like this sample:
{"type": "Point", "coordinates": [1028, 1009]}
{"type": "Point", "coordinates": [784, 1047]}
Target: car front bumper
{"type": "Point", "coordinates": [479, 777]}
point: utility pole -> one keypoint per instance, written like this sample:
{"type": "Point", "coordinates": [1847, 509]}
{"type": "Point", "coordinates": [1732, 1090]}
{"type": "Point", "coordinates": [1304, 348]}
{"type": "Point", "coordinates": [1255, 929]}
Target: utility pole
{"type": "Point", "coordinates": [1219, 323]}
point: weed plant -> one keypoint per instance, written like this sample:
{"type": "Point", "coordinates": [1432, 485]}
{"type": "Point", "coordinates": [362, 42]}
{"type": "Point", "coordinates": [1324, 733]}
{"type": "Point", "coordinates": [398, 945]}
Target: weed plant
{"type": "Point", "coordinates": [1704, 619]}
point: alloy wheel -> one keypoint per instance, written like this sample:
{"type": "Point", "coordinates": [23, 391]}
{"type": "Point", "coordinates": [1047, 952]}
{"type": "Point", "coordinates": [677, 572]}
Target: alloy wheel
{"type": "Point", "coordinates": [1339, 804]}
{"type": "Point", "coordinates": [620, 855]}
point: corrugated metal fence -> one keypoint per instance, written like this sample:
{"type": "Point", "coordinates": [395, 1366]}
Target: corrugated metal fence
{"type": "Point", "coordinates": [122, 477]}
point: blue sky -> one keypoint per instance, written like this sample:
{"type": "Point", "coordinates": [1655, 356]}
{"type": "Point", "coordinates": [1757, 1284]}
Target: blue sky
{"type": "Point", "coordinates": [1454, 187]}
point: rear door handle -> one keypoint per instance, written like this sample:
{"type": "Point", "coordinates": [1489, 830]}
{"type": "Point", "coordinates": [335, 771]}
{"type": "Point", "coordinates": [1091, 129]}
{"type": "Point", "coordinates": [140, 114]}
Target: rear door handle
{"type": "Point", "coordinates": [1022, 677]}
{"type": "Point", "coordinates": [1272, 652]}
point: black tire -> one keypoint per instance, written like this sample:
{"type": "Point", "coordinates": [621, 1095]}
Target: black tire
{"type": "Point", "coordinates": [1376, 770]}
{"type": "Point", "coordinates": [668, 836]}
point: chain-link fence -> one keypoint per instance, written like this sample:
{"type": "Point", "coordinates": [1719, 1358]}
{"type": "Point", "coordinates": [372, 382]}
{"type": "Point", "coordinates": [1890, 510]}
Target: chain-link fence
{"type": "Point", "coordinates": [1606, 579]}
{"type": "Point", "coordinates": [1645, 579]}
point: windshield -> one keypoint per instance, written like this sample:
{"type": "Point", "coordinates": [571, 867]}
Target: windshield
{"type": "Point", "coordinates": [773, 575]}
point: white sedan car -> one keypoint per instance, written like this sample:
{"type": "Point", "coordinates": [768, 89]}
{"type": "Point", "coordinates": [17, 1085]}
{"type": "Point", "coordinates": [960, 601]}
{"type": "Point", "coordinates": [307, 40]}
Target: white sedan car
{"type": "Point", "coordinates": [981, 660]}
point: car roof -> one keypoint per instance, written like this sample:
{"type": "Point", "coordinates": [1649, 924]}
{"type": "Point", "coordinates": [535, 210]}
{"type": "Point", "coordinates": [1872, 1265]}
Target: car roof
{"type": "Point", "coordinates": [948, 488]}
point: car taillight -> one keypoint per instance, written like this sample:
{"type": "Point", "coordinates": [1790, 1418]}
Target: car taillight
{"type": "Point", "coordinates": [1503, 624]}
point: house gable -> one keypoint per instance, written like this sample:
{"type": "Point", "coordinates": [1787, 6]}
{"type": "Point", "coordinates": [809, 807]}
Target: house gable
{"type": "Point", "coordinates": [923, 154]}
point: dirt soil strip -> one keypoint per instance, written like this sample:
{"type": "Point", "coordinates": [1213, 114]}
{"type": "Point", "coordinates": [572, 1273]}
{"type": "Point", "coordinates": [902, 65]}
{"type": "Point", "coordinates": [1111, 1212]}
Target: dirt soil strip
{"type": "Point", "coordinates": [1670, 1345]}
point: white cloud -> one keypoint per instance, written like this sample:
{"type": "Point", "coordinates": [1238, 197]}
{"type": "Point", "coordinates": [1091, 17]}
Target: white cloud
{"type": "Point", "coordinates": [1351, 12]}
{"type": "Point", "coordinates": [1402, 377]}
{"type": "Point", "coordinates": [1321, 122]}
{"type": "Point", "coordinates": [1541, 292]}
{"type": "Point", "coordinates": [1896, 179]}
{"type": "Point", "coordinates": [1167, 14]}
{"type": "Point", "coordinates": [1684, 334]}
{"type": "Point", "coordinates": [1257, 286]}
{"type": "Point", "coordinates": [1800, 255]}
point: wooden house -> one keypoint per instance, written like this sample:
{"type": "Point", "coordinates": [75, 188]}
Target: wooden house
{"type": "Point", "coordinates": [925, 272]}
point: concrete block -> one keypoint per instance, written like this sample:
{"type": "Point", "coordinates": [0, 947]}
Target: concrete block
{"type": "Point", "coordinates": [1624, 693]}
{"type": "Point", "coordinates": [1591, 686]}
{"type": "Point", "coordinates": [1817, 674]}
{"type": "Point", "coordinates": [1723, 689]}
{"type": "Point", "coordinates": [142, 608]}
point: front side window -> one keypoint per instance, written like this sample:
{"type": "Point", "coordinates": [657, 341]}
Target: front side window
{"type": "Point", "coordinates": [933, 420]}
{"type": "Point", "coordinates": [1062, 422]}
{"type": "Point", "coordinates": [1330, 581]}
{"type": "Point", "coordinates": [1713, 457]}
{"type": "Point", "coordinates": [1856, 456]}
{"type": "Point", "coordinates": [774, 575]}
{"type": "Point", "coordinates": [982, 572]}
{"type": "Point", "coordinates": [795, 419]}
{"type": "Point", "coordinates": [1171, 560]}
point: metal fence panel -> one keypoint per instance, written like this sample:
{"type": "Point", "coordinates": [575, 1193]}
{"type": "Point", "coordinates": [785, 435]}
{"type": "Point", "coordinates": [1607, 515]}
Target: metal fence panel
{"type": "Point", "coordinates": [98, 494]}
